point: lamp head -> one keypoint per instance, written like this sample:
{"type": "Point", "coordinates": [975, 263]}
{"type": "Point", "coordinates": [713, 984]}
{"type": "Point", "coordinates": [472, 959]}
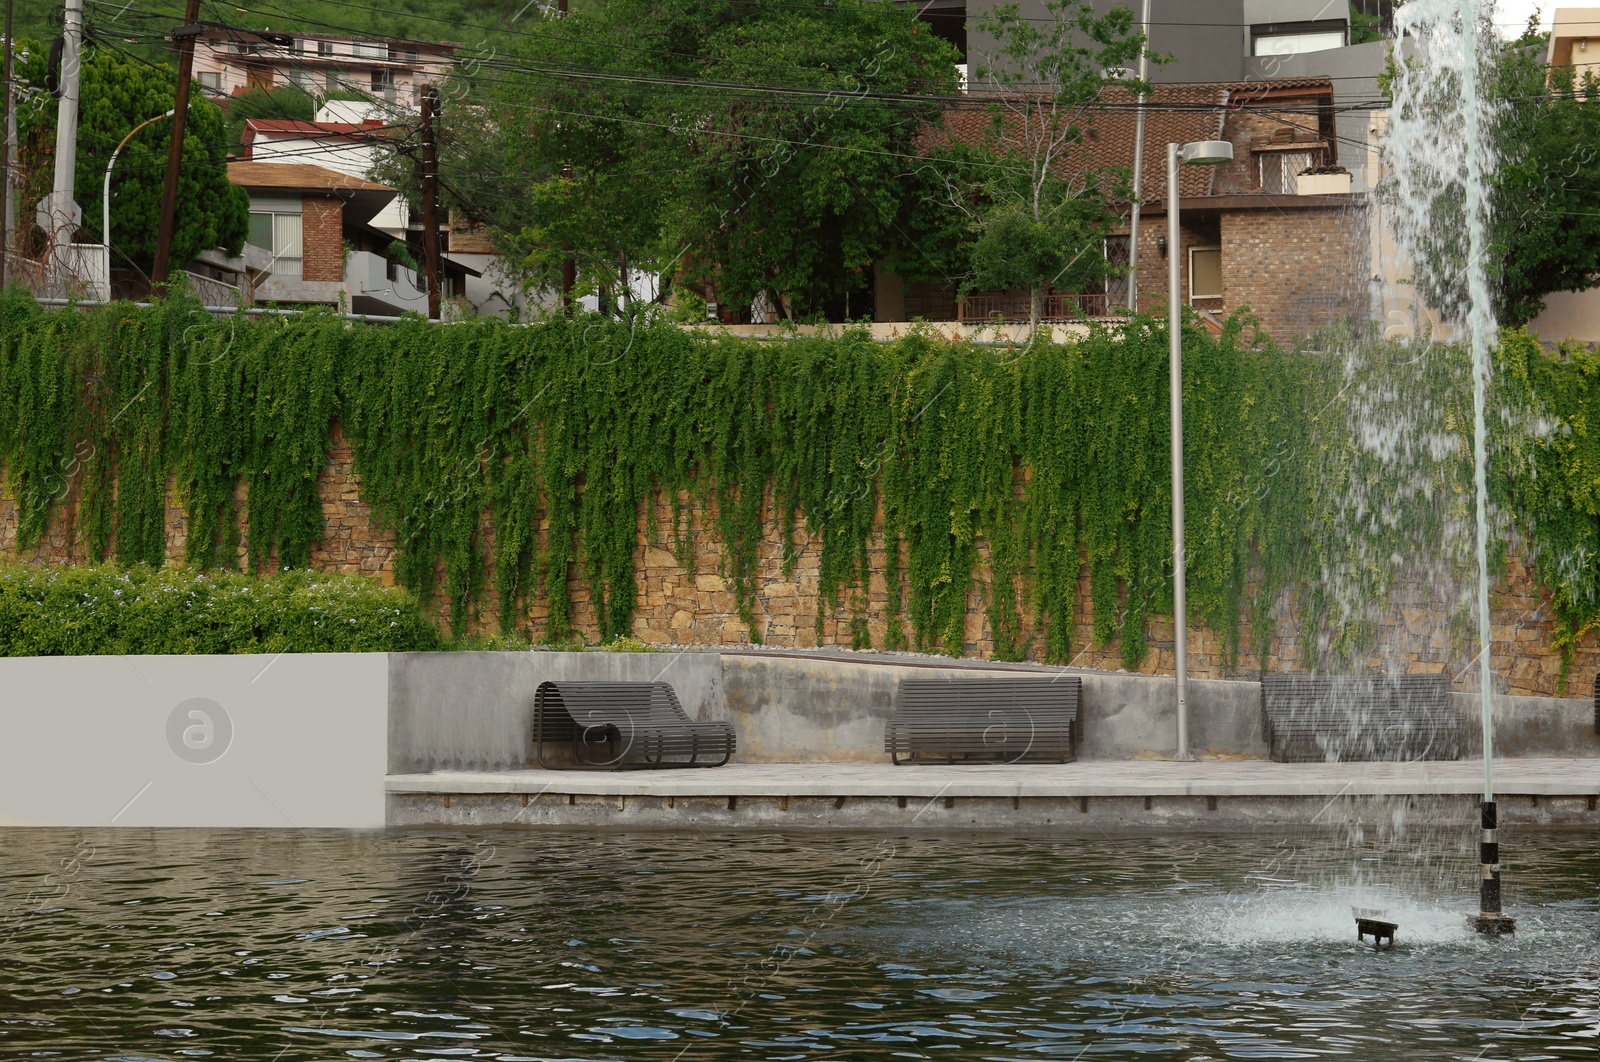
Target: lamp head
{"type": "Point", "coordinates": [1207, 153]}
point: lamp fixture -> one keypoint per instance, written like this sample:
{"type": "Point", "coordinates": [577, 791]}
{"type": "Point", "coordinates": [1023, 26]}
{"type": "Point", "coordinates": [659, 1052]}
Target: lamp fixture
{"type": "Point", "coordinates": [1161, 245]}
{"type": "Point", "coordinates": [1207, 153]}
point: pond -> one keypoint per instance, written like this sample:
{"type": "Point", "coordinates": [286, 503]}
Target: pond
{"type": "Point", "coordinates": [521, 945]}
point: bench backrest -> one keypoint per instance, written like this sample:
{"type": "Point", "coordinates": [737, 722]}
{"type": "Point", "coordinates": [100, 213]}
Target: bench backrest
{"type": "Point", "coordinates": [1356, 698]}
{"type": "Point", "coordinates": [1361, 716]}
{"type": "Point", "coordinates": [1055, 699]}
{"type": "Point", "coordinates": [620, 704]}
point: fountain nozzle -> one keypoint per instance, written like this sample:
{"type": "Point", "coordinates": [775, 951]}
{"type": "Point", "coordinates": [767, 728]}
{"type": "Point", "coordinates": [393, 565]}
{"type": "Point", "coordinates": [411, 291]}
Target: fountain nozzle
{"type": "Point", "coordinates": [1489, 921]}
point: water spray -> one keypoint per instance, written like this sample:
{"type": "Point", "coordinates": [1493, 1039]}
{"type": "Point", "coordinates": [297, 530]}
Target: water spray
{"type": "Point", "coordinates": [1442, 149]}
{"type": "Point", "coordinates": [1480, 326]}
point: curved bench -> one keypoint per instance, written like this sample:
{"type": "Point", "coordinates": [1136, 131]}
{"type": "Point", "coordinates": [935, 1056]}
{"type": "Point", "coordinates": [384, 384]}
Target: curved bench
{"type": "Point", "coordinates": [1345, 718]}
{"type": "Point", "coordinates": [992, 719]}
{"type": "Point", "coordinates": [612, 725]}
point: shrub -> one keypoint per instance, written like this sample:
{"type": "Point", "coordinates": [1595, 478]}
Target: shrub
{"type": "Point", "coordinates": [105, 610]}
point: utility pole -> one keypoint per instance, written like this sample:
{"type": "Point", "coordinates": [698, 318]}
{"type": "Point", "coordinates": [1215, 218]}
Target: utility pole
{"type": "Point", "coordinates": [569, 265]}
{"type": "Point", "coordinates": [62, 214]}
{"type": "Point", "coordinates": [184, 36]}
{"type": "Point", "coordinates": [5, 155]}
{"type": "Point", "coordinates": [1138, 166]}
{"type": "Point", "coordinates": [430, 198]}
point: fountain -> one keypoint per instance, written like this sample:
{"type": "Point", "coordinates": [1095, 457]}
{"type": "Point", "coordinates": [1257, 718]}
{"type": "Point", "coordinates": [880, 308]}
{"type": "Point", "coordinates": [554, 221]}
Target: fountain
{"type": "Point", "coordinates": [1438, 158]}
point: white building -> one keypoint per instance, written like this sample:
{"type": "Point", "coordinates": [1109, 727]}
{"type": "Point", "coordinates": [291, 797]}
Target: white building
{"type": "Point", "coordinates": [230, 62]}
{"type": "Point", "coordinates": [345, 138]}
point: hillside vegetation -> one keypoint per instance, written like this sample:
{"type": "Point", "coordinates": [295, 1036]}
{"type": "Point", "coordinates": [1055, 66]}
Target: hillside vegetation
{"type": "Point", "coordinates": [142, 25]}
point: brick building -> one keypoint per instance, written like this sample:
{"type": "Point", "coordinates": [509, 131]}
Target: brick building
{"type": "Point", "coordinates": [1276, 231]}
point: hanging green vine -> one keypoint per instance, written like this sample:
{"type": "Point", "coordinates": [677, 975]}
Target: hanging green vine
{"type": "Point", "coordinates": [527, 458]}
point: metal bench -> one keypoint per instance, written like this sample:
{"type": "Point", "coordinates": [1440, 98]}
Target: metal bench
{"type": "Point", "coordinates": [991, 719]}
{"type": "Point", "coordinates": [1343, 718]}
{"type": "Point", "coordinates": [612, 725]}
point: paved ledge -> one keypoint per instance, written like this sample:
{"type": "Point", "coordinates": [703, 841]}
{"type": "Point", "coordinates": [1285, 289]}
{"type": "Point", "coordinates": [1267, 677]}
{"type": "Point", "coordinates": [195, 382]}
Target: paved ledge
{"type": "Point", "coordinates": [1140, 778]}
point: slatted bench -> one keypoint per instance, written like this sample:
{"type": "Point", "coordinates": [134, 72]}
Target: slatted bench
{"type": "Point", "coordinates": [985, 719]}
{"type": "Point", "coordinates": [612, 725]}
{"type": "Point", "coordinates": [1344, 718]}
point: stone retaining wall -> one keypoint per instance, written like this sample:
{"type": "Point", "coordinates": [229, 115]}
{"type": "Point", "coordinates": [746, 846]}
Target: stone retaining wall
{"type": "Point", "coordinates": [677, 607]}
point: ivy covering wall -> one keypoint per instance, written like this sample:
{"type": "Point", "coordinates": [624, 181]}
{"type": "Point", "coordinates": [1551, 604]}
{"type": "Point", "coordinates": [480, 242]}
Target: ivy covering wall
{"type": "Point", "coordinates": [1037, 451]}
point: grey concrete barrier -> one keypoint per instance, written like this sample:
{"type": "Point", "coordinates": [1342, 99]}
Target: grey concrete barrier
{"type": "Point", "coordinates": [795, 709]}
{"type": "Point", "coordinates": [474, 711]}
{"type": "Point", "coordinates": [1532, 726]}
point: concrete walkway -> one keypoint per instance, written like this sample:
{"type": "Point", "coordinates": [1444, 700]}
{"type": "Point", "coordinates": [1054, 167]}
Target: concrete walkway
{"type": "Point", "coordinates": [1099, 795]}
{"type": "Point", "coordinates": [1138, 778]}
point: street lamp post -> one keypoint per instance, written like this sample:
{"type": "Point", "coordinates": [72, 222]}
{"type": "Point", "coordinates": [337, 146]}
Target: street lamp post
{"type": "Point", "coordinates": [105, 197]}
{"type": "Point", "coordinates": [1199, 153]}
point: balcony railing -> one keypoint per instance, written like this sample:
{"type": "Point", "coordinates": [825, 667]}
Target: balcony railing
{"type": "Point", "coordinates": [1053, 309]}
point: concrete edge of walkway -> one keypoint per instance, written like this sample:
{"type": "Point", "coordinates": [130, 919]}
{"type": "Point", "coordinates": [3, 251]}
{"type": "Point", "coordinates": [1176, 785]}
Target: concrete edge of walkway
{"type": "Point", "coordinates": [1522, 778]}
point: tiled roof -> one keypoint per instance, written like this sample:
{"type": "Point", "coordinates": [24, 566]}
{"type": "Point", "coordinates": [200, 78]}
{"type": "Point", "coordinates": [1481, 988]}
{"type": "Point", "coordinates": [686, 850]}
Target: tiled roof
{"type": "Point", "coordinates": [298, 175]}
{"type": "Point", "coordinates": [1177, 114]}
{"type": "Point", "coordinates": [298, 128]}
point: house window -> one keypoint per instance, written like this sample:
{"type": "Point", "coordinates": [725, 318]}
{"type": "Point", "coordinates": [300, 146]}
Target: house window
{"type": "Point", "coordinates": [279, 234]}
{"type": "Point", "coordinates": [1116, 252]}
{"type": "Point", "coordinates": [1205, 273]}
{"type": "Point", "coordinates": [1297, 43]}
{"type": "Point", "coordinates": [339, 79]}
{"type": "Point", "coordinates": [1280, 170]}
{"type": "Point", "coordinates": [304, 80]}
{"type": "Point", "coordinates": [210, 79]}
{"type": "Point", "coordinates": [325, 48]}
{"type": "Point", "coordinates": [406, 55]}
{"type": "Point", "coordinates": [383, 83]}
{"type": "Point", "coordinates": [369, 50]}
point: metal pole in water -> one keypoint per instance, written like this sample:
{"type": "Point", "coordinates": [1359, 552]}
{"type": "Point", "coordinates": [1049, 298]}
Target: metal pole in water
{"type": "Point", "coordinates": [1480, 324]}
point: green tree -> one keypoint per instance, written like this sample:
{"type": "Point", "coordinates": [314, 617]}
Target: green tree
{"type": "Point", "coordinates": [116, 95]}
{"type": "Point", "coordinates": [1037, 224]}
{"type": "Point", "coordinates": [737, 148]}
{"type": "Point", "coordinates": [1365, 28]}
{"type": "Point", "coordinates": [285, 101]}
{"type": "Point", "coordinates": [1547, 187]}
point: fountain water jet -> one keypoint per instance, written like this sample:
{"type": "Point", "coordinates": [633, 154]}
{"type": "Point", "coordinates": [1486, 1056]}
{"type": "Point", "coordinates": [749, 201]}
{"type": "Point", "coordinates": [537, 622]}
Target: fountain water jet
{"type": "Point", "coordinates": [1446, 34]}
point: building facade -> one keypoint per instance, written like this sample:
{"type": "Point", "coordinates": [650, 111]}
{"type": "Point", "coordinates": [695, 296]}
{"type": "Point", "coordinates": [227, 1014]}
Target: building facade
{"type": "Point", "coordinates": [230, 62]}
{"type": "Point", "coordinates": [1278, 231]}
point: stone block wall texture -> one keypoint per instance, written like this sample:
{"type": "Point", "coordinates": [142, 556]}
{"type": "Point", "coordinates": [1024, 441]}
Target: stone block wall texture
{"type": "Point", "coordinates": [322, 232]}
{"type": "Point", "coordinates": [1421, 633]}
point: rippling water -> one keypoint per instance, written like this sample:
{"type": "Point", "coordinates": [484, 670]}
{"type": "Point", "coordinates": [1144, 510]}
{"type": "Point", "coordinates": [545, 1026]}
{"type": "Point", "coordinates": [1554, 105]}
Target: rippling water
{"type": "Point", "coordinates": [509, 945]}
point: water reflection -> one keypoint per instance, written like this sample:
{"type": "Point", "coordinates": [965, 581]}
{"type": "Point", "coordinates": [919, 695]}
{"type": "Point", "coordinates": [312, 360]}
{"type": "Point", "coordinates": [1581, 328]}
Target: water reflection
{"type": "Point", "coordinates": [529, 945]}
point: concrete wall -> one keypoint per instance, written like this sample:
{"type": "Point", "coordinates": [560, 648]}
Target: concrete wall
{"type": "Point", "coordinates": [1532, 726]}
{"type": "Point", "coordinates": [1569, 314]}
{"type": "Point", "coordinates": [789, 710]}
{"type": "Point", "coordinates": [474, 711]}
{"type": "Point", "coordinates": [1206, 38]}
